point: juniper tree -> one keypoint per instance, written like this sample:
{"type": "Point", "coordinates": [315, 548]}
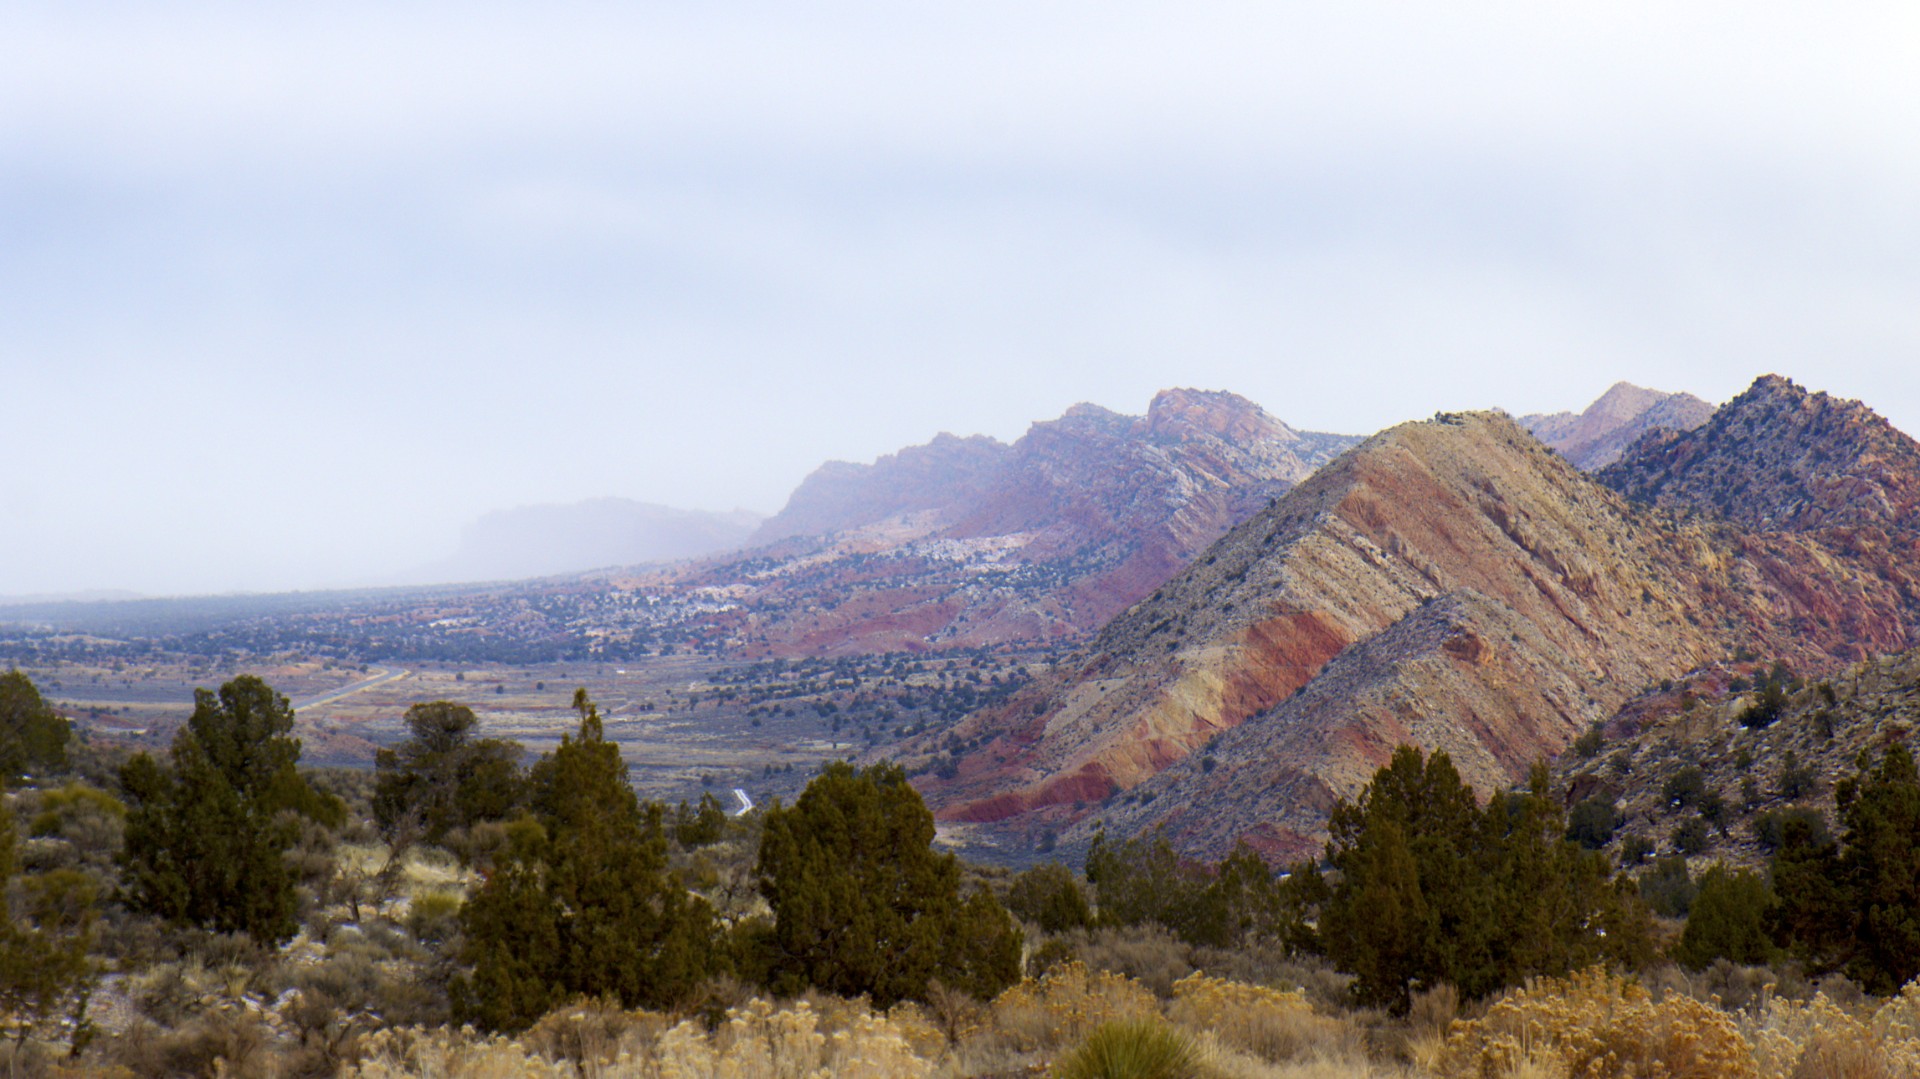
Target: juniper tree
{"type": "Point", "coordinates": [1430, 888]}
{"type": "Point", "coordinates": [863, 904]}
{"type": "Point", "coordinates": [1728, 919]}
{"type": "Point", "coordinates": [46, 926]}
{"type": "Point", "coordinates": [32, 735]}
{"type": "Point", "coordinates": [1855, 906]}
{"type": "Point", "coordinates": [443, 778]}
{"type": "Point", "coordinates": [583, 902]}
{"type": "Point", "coordinates": [205, 838]}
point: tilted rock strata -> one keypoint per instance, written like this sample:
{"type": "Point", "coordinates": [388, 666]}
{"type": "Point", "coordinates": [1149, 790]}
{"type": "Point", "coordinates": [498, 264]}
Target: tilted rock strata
{"type": "Point", "coordinates": [1451, 583]}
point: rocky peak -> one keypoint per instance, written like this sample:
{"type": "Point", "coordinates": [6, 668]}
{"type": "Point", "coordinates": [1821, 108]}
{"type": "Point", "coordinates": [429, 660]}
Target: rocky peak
{"type": "Point", "coordinates": [1597, 436]}
{"type": "Point", "coordinates": [1779, 457]}
{"type": "Point", "coordinates": [1180, 414]}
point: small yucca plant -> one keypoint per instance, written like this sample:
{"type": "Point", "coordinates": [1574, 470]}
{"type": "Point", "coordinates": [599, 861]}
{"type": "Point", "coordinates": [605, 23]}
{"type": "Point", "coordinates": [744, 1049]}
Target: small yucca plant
{"type": "Point", "coordinates": [1131, 1049]}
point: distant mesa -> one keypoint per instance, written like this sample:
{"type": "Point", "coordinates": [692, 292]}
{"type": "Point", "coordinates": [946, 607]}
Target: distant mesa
{"type": "Point", "coordinates": [546, 540]}
{"type": "Point", "coordinates": [1598, 436]}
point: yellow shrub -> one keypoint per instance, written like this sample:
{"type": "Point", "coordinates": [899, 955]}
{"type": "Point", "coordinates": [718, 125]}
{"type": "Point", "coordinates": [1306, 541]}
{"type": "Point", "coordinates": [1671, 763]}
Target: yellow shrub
{"type": "Point", "coordinates": [1596, 1025]}
{"type": "Point", "coordinates": [1818, 1039]}
{"type": "Point", "coordinates": [1274, 1024]}
{"type": "Point", "coordinates": [1063, 1006]}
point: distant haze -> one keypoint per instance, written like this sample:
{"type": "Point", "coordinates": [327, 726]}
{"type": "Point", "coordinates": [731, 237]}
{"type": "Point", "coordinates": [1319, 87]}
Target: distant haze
{"type": "Point", "coordinates": [292, 294]}
{"type": "Point", "coordinates": [535, 541]}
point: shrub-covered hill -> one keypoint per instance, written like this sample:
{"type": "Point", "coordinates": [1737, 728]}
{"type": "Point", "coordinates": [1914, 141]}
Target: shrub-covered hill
{"type": "Point", "coordinates": [1710, 765]}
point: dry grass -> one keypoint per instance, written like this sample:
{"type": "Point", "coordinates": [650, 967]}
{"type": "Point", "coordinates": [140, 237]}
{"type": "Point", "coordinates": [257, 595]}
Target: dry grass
{"type": "Point", "coordinates": [1275, 1025]}
{"type": "Point", "coordinates": [1591, 1025]}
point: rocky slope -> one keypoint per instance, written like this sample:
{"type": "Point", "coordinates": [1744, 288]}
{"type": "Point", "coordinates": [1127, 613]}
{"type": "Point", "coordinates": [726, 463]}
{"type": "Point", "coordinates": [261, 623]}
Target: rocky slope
{"type": "Point", "coordinates": [965, 542]}
{"type": "Point", "coordinates": [1597, 437]}
{"type": "Point", "coordinates": [1780, 458]}
{"type": "Point", "coordinates": [1696, 724]}
{"type": "Point", "coordinates": [1452, 584]}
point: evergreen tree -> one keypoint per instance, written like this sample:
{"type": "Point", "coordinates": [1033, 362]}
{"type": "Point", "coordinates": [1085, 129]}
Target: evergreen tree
{"type": "Point", "coordinates": [46, 927]}
{"type": "Point", "coordinates": [511, 939]}
{"type": "Point", "coordinates": [700, 825]}
{"type": "Point", "coordinates": [583, 903]}
{"type": "Point", "coordinates": [1729, 919]}
{"type": "Point", "coordinates": [443, 778]}
{"type": "Point", "coordinates": [205, 839]}
{"type": "Point", "coordinates": [863, 904]}
{"type": "Point", "coordinates": [1430, 889]}
{"type": "Point", "coordinates": [1856, 907]}
{"type": "Point", "coordinates": [33, 737]}
{"type": "Point", "coordinates": [1048, 896]}
{"type": "Point", "coordinates": [1142, 880]}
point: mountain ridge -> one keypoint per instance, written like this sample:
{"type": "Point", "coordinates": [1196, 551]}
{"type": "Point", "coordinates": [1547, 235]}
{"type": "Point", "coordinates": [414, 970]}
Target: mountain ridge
{"type": "Point", "coordinates": [1468, 588]}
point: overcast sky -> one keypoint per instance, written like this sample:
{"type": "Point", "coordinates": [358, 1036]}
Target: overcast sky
{"type": "Point", "coordinates": [287, 296]}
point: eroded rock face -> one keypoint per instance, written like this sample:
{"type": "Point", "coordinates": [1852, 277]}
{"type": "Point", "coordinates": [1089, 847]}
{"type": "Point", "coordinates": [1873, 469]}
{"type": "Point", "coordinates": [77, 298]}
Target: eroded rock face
{"type": "Point", "coordinates": [964, 542]}
{"type": "Point", "coordinates": [1624, 414]}
{"type": "Point", "coordinates": [1451, 584]}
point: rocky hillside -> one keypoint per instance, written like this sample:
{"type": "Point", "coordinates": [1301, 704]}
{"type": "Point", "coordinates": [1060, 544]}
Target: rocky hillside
{"type": "Point", "coordinates": [1698, 750]}
{"type": "Point", "coordinates": [1598, 436]}
{"type": "Point", "coordinates": [1452, 584]}
{"type": "Point", "coordinates": [964, 542]}
{"type": "Point", "coordinates": [1781, 458]}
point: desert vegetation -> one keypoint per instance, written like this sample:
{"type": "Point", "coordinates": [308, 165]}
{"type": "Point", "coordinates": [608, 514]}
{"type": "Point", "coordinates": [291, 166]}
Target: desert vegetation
{"type": "Point", "coordinates": [458, 913]}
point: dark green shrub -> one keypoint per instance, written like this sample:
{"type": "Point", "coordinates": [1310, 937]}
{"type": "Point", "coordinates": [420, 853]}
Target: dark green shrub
{"type": "Point", "coordinates": [1797, 781]}
{"type": "Point", "coordinates": [1668, 889]}
{"type": "Point", "coordinates": [1592, 822]}
{"type": "Point", "coordinates": [1728, 919]}
{"type": "Point", "coordinates": [1589, 743]}
{"type": "Point", "coordinates": [1634, 849]}
{"type": "Point", "coordinates": [1692, 836]}
{"type": "Point", "coordinates": [1048, 896]}
{"type": "Point", "coordinates": [1685, 787]}
{"type": "Point", "coordinates": [1770, 828]}
{"type": "Point", "coordinates": [862, 902]}
{"type": "Point", "coordinates": [1138, 1049]}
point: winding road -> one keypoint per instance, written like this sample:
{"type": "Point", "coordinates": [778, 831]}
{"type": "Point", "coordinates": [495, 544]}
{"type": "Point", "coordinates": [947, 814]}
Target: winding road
{"type": "Point", "coordinates": [382, 676]}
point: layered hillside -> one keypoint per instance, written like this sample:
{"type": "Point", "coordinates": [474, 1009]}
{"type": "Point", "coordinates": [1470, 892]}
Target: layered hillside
{"type": "Point", "coordinates": [1452, 584]}
{"type": "Point", "coordinates": [1596, 437]}
{"type": "Point", "coordinates": [965, 542]}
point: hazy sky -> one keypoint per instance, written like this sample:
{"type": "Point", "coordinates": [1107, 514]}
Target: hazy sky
{"type": "Point", "coordinates": [288, 293]}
